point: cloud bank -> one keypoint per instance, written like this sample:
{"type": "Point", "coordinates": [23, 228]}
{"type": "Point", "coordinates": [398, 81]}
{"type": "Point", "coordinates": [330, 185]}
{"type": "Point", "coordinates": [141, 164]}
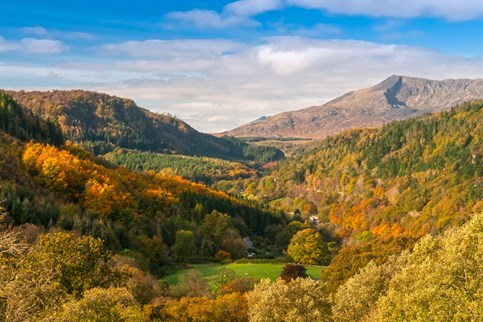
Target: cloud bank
{"type": "Point", "coordinates": [216, 85]}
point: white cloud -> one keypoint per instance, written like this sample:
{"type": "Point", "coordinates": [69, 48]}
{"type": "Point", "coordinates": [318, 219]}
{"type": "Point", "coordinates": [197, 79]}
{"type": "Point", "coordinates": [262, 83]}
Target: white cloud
{"type": "Point", "coordinates": [36, 31]}
{"type": "Point", "coordinates": [40, 31]}
{"type": "Point", "coordinates": [173, 49]}
{"type": "Point", "coordinates": [208, 19]}
{"type": "Point", "coordinates": [214, 91]}
{"type": "Point", "coordinates": [8, 45]}
{"type": "Point", "coordinates": [252, 7]}
{"type": "Point", "coordinates": [32, 46]}
{"type": "Point", "coordinates": [41, 46]}
{"type": "Point", "coordinates": [317, 30]}
{"type": "Point", "coordinates": [234, 14]}
{"type": "Point", "coordinates": [452, 10]}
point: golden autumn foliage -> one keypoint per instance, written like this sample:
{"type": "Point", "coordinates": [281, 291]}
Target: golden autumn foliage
{"type": "Point", "coordinates": [102, 190]}
{"type": "Point", "coordinates": [230, 307]}
{"type": "Point", "coordinates": [407, 178]}
{"type": "Point", "coordinates": [439, 280]}
{"type": "Point", "coordinates": [300, 300]}
{"type": "Point", "coordinates": [99, 304]}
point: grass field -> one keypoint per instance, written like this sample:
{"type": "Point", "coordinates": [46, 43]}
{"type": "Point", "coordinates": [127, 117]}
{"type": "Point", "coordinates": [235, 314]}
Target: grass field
{"type": "Point", "coordinates": [211, 272]}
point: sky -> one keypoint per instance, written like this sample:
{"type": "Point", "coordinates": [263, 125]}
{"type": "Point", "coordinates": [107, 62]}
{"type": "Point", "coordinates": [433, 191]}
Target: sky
{"type": "Point", "coordinates": [220, 64]}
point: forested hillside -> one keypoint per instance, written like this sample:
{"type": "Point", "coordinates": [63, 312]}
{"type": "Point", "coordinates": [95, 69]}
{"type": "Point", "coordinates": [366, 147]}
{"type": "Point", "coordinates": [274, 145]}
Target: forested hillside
{"type": "Point", "coordinates": [407, 178]}
{"type": "Point", "coordinates": [204, 169]}
{"type": "Point", "coordinates": [379, 190]}
{"type": "Point", "coordinates": [23, 124]}
{"type": "Point", "coordinates": [68, 188]}
{"type": "Point", "coordinates": [101, 123]}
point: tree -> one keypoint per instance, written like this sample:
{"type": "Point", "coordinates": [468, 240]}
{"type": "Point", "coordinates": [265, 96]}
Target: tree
{"type": "Point", "coordinates": [58, 267]}
{"type": "Point", "coordinates": [12, 250]}
{"type": "Point", "coordinates": [307, 247]}
{"type": "Point", "coordinates": [300, 300]}
{"type": "Point", "coordinates": [239, 284]}
{"type": "Point", "coordinates": [143, 286]}
{"type": "Point", "coordinates": [442, 281]}
{"type": "Point", "coordinates": [282, 239]}
{"type": "Point", "coordinates": [103, 305]}
{"type": "Point", "coordinates": [229, 307]}
{"type": "Point", "coordinates": [356, 299]}
{"type": "Point", "coordinates": [214, 227]}
{"type": "Point", "coordinates": [351, 259]}
{"type": "Point", "coordinates": [184, 247]}
{"type": "Point", "coordinates": [292, 271]}
{"type": "Point", "coordinates": [234, 244]}
{"type": "Point", "coordinates": [79, 263]}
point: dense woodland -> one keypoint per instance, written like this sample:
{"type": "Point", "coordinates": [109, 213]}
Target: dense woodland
{"type": "Point", "coordinates": [23, 124]}
{"type": "Point", "coordinates": [398, 211]}
{"type": "Point", "coordinates": [198, 169]}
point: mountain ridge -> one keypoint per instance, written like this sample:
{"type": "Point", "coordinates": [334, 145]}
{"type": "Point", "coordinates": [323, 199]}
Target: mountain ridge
{"type": "Point", "coordinates": [396, 98]}
{"type": "Point", "coordinates": [101, 123]}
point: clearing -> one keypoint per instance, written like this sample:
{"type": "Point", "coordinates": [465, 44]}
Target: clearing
{"type": "Point", "coordinates": [211, 272]}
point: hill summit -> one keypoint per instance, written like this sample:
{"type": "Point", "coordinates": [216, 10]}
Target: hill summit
{"type": "Point", "coordinates": [396, 98]}
{"type": "Point", "coordinates": [102, 123]}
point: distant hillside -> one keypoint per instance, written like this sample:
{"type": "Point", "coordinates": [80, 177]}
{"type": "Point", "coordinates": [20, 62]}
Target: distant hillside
{"type": "Point", "coordinates": [100, 123]}
{"type": "Point", "coordinates": [409, 177]}
{"type": "Point", "coordinates": [396, 98]}
{"type": "Point", "coordinates": [197, 169]}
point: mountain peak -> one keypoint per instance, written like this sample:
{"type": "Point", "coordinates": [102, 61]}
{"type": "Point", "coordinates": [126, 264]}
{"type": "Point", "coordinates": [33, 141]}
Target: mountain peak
{"type": "Point", "coordinates": [395, 98]}
{"type": "Point", "coordinates": [389, 82]}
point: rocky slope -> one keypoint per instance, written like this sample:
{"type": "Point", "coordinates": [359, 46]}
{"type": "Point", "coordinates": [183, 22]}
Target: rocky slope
{"type": "Point", "coordinates": [396, 98]}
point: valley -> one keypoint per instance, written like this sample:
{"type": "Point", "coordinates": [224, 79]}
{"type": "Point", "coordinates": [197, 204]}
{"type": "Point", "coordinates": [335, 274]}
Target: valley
{"type": "Point", "coordinates": [241, 161]}
{"type": "Point", "coordinates": [181, 231]}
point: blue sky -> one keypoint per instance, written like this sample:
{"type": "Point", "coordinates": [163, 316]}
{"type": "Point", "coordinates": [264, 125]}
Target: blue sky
{"type": "Point", "coordinates": [219, 64]}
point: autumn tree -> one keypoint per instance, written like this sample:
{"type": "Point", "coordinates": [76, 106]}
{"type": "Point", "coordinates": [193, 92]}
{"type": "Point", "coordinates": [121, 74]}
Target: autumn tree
{"type": "Point", "coordinates": [442, 281]}
{"type": "Point", "coordinates": [12, 250]}
{"type": "Point", "coordinates": [356, 299]}
{"type": "Point", "coordinates": [283, 237]}
{"type": "Point", "coordinates": [238, 284]}
{"type": "Point", "coordinates": [213, 228]}
{"type": "Point", "coordinates": [234, 244]}
{"type": "Point", "coordinates": [58, 267]}
{"type": "Point", "coordinates": [103, 305]}
{"type": "Point", "coordinates": [184, 247]}
{"type": "Point", "coordinates": [307, 247]}
{"type": "Point", "coordinates": [292, 271]}
{"type": "Point", "coordinates": [300, 300]}
{"type": "Point", "coordinates": [229, 307]}
{"type": "Point", "coordinates": [80, 262]}
{"type": "Point", "coordinates": [142, 285]}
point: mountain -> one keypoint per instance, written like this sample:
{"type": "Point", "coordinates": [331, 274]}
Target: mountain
{"type": "Point", "coordinates": [102, 123]}
{"type": "Point", "coordinates": [396, 98]}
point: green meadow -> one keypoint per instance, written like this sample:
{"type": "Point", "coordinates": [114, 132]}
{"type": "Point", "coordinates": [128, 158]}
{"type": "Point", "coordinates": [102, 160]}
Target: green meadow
{"type": "Point", "coordinates": [211, 272]}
